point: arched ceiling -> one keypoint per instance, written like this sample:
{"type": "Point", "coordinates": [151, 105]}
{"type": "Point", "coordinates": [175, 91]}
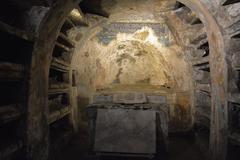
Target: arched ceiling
{"type": "Point", "coordinates": [147, 11]}
{"type": "Point", "coordinates": [154, 27]}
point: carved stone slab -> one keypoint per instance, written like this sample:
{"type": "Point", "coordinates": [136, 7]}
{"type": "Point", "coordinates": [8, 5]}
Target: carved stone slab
{"type": "Point", "coordinates": [125, 131]}
{"type": "Point", "coordinates": [129, 98]}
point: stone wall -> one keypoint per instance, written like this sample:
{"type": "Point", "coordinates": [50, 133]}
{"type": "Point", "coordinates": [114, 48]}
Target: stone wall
{"type": "Point", "coordinates": [121, 55]}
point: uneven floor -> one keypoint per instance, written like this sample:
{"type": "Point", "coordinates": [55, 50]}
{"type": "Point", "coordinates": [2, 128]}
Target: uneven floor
{"type": "Point", "coordinates": [181, 147]}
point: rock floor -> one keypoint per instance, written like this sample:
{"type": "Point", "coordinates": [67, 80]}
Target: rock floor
{"type": "Point", "coordinates": [181, 147]}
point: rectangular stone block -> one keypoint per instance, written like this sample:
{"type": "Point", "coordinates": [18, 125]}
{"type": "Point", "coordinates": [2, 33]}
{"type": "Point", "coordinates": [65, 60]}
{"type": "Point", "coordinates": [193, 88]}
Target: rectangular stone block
{"type": "Point", "coordinates": [125, 131]}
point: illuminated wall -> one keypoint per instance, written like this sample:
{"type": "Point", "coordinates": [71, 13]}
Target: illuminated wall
{"type": "Point", "coordinates": [137, 52]}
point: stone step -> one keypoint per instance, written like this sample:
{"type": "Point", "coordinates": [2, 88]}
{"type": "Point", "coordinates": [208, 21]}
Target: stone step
{"type": "Point", "coordinates": [63, 39]}
{"type": "Point", "coordinates": [59, 85]}
{"type": "Point", "coordinates": [200, 61]}
{"type": "Point", "coordinates": [59, 114]}
{"type": "Point", "coordinates": [60, 65]}
{"type": "Point", "coordinates": [63, 47]}
{"type": "Point", "coordinates": [200, 37]}
{"type": "Point", "coordinates": [201, 76]}
{"type": "Point", "coordinates": [58, 91]}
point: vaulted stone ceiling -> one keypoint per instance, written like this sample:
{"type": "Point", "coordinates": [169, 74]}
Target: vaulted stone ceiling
{"type": "Point", "coordinates": [151, 22]}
